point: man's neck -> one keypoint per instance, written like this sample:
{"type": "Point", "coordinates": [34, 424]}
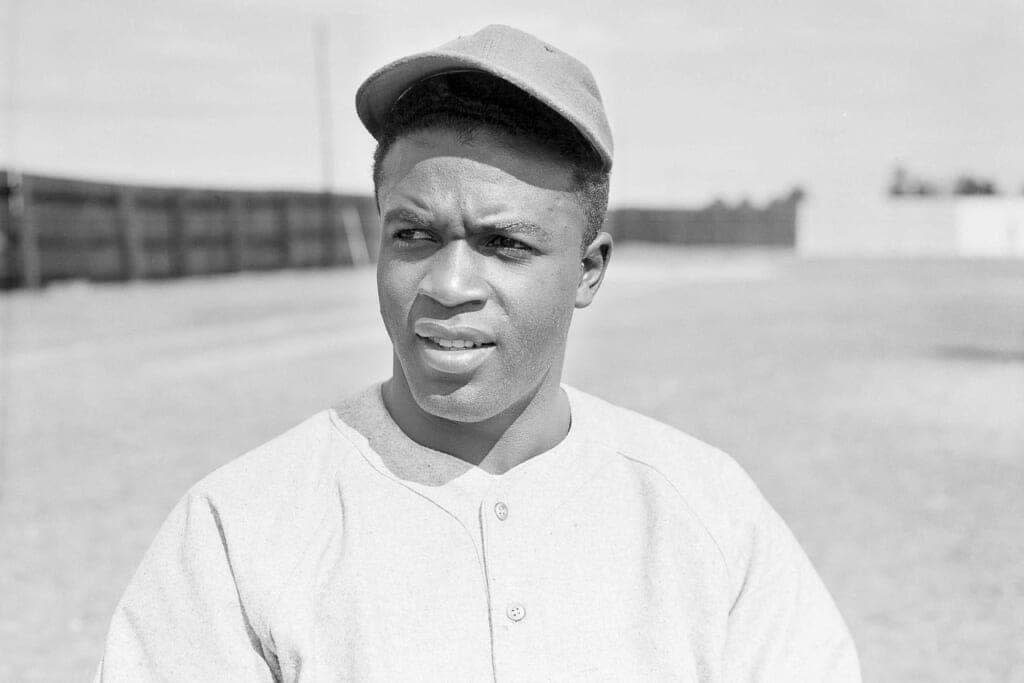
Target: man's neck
{"type": "Point", "coordinates": [496, 445]}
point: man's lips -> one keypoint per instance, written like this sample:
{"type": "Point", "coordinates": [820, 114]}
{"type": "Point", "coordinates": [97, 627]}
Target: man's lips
{"type": "Point", "coordinates": [453, 350]}
{"type": "Point", "coordinates": [453, 344]}
{"type": "Point", "coordinates": [453, 337]}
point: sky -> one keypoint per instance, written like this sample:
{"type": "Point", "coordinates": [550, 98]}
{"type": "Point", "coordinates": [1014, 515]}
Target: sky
{"type": "Point", "coordinates": [706, 100]}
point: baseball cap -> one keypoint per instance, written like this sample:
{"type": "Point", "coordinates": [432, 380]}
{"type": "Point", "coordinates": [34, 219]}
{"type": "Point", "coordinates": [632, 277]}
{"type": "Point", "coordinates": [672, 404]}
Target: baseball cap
{"type": "Point", "coordinates": [557, 79]}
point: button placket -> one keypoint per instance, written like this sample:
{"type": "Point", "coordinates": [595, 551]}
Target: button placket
{"type": "Point", "coordinates": [500, 544]}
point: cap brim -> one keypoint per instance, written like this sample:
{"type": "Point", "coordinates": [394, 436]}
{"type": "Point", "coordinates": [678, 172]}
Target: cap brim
{"type": "Point", "coordinates": [381, 90]}
{"type": "Point", "coordinates": [384, 87]}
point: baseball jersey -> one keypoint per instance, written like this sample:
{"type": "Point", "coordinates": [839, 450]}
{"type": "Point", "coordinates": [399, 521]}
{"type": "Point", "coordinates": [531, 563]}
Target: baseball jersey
{"type": "Point", "coordinates": [344, 550]}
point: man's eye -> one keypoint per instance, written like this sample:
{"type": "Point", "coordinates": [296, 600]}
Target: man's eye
{"type": "Point", "coordinates": [507, 243]}
{"type": "Point", "coordinates": [412, 235]}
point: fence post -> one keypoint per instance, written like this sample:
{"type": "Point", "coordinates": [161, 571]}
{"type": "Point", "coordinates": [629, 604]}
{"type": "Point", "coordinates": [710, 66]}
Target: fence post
{"type": "Point", "coordinates": [6, 233]}
{"type": "Point", "coordinates": [176, 242]}
{"type": "Point", "coordinates": [129, 238]}
{"type": "Point", "coordinates": [236, 232]}
{"type": "Point", "coordinates": [328, 237]}
{"type": "Point", "coordinates": [24, 226]}
{"type": "Point", "coordinates": [358, 253]}
{"type": "Point", "coordinates": [285, 231]}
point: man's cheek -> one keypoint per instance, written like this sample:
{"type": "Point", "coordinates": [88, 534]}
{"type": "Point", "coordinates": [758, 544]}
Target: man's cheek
{"type": "Point", "coordinates": [545, 334]}
{"type": "Point", "coordinates": [393, 314]}
{"type": "Point", "coordinates": [393, 292]}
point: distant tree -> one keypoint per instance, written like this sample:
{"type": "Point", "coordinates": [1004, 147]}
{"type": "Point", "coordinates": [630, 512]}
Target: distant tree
{"type": "Point", "coordinates": [903, 184]}
{"type": "Point", "coordinates": [967, 185]}
{"type": "Point", "coordinates": [898, 184]}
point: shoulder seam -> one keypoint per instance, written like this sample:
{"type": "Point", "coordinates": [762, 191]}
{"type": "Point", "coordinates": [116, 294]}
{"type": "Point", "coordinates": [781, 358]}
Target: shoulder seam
{"type": "Point", "coordinates": [279, 589]}
{"type": "Point", "coordinates": [700, 520]}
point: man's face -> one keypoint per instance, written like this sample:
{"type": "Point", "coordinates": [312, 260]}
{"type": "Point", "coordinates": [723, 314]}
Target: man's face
{"type": "Point", "coordinates": [479, 271]}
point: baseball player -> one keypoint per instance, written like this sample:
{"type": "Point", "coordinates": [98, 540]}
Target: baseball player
{"type": "Point", "coordinates": [472, 518]}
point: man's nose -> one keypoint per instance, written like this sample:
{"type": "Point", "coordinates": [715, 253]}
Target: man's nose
{"type": "Point", "coordinates": [454, 278]}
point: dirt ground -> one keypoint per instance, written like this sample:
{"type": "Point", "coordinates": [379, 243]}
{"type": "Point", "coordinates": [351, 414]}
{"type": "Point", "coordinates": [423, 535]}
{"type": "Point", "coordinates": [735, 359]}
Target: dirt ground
{"type": "Point", "coordinates": [878, 404]}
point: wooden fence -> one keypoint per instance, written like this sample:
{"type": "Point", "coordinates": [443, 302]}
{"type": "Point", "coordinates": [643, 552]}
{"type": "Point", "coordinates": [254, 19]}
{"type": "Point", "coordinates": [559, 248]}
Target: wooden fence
{"type": "Point", "coordinates": [773, 224]}
{"type": "Point", "coordinates": [56, 228]}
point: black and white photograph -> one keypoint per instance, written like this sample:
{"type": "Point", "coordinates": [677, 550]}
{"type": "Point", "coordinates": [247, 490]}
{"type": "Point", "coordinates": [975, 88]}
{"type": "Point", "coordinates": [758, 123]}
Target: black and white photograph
{"type": "Point", "coordinates": [461, 341]}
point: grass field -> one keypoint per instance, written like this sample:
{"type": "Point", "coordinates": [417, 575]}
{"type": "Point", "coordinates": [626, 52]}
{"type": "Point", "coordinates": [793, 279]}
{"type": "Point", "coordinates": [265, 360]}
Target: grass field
{"type": "Point", "coordinates": [878, 404]}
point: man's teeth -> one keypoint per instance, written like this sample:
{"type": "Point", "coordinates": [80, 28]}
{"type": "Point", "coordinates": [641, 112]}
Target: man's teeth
{"type": "Point", "coordinates": [456, 343]}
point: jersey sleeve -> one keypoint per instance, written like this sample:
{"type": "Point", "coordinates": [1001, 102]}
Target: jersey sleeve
{"type": "Point", "coordinates": [784, 625]}
{"type": "Point", "coordinates": [181, 618]}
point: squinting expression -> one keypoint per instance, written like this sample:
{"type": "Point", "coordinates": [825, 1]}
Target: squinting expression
{"type": "Point", "coordinates": [479, 269]}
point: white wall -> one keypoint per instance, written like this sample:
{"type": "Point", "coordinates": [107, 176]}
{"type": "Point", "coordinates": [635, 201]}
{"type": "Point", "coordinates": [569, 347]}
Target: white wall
{"type": "Point", "coordinates": [915, 226]}
{"type": "Point", "coordinates": [991, 226]}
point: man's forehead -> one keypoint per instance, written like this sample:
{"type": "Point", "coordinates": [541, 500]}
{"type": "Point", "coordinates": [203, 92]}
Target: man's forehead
{"type": "Point", "coordinates": [483, 155]}
{"type": "Point", "coordinates": [426, 201]}
{"type": "Point", "coordinates": [425, 185]}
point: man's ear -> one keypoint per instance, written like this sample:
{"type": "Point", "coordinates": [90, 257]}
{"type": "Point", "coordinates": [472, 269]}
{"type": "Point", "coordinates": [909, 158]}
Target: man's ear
{"type": "Point", "coordinates": [594, 264]}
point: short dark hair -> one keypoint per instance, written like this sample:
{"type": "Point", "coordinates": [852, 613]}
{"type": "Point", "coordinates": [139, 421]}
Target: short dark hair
{"type": "Point", "coordinates": [466, 101]}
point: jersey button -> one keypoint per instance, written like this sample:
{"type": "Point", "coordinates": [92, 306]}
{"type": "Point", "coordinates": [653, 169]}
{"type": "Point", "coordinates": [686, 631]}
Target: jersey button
{"type": "Point", "coordinates": [515, 612]}
{"type": "Point", "coordinates": [501, 511]}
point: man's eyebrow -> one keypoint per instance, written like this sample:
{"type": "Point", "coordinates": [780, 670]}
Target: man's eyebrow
{"type": "Point", "coordinates": [401, 215]}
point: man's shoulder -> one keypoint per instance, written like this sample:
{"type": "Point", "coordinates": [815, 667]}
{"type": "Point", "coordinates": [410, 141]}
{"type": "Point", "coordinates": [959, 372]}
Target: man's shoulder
{"type": "Point", "coordinates": [706, 481]}
{"type": "Point", "coordinates": [283, 466]}
{"type": "Point", "coordinates": [679, 457]}
{"type": "Point", "coordinates": [268, 503]}
{"type": "Point", "coordinates": [292, 478]}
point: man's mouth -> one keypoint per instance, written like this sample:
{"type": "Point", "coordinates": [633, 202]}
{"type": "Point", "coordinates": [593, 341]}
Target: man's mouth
{"type": "Point", "coordinates": [452, 337]}
{"type": "Point", "coordinates": [455, 351]}
{"type": "Point", "coordinates": [454, 344]}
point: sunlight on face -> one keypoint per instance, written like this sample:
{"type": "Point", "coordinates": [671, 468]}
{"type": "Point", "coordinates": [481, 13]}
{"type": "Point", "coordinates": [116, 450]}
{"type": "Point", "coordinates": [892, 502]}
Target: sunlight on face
{"type": "Point", "coordinates": [478, 269]}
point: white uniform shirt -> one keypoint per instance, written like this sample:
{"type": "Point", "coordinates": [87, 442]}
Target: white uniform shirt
{"type": "Point", "coordinates": [342, 550]}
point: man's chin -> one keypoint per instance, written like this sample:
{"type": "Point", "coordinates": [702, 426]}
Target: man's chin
{"type": "Point", "coordinates": [457, 400]}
